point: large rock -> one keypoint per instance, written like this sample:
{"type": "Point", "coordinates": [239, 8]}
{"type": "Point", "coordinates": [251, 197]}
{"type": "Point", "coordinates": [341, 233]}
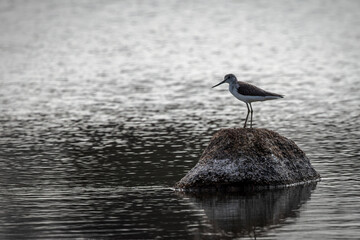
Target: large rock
{"type": "Point", "coordinates": [246, 158]}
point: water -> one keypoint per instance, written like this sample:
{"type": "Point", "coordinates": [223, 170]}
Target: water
{"type": "Point", "coordinates": [104, 105]}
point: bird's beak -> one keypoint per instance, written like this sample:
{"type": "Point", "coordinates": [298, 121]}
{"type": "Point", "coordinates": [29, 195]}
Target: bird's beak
{"type": "Point", "coordinates": [219, 84]}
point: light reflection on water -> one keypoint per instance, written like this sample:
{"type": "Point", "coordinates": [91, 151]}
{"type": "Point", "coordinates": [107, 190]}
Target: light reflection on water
{"type": "Point", "coordinates": [251, 214]}
{"type": "Point", "coordinates": [105, 105]}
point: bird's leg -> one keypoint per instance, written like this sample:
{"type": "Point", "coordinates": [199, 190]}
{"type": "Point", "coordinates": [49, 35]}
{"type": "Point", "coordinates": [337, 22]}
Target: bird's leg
{"type": "Point", "coordinates": [247, 115]}
{"type": "Point", "coordinates": [251, 111]}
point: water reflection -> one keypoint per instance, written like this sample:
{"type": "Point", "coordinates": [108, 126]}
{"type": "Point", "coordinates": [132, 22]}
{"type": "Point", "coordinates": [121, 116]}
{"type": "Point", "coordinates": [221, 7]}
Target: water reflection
{"type": "Point", "coordinates": [251, 214]}
{"type": "Point", "coordinates": [105, 96]}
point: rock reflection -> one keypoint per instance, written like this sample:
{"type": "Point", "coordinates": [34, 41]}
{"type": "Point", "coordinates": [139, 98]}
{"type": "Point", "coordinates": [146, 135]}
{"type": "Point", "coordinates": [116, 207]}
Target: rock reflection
{"type": "Point", "coordinates": [251, 214]}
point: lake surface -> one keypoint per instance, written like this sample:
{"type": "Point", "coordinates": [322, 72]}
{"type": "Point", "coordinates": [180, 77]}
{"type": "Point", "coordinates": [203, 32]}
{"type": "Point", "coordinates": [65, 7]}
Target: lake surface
{"type": "Point", "coordinates": [104, 105]}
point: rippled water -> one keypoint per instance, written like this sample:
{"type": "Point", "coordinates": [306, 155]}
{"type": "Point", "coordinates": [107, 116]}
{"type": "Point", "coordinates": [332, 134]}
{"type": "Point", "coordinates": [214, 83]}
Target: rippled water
{"type": "Point", "coordinates": [104, 105]}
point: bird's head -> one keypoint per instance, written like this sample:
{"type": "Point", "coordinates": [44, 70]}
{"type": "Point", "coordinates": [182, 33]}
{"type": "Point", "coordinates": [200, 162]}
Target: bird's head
{"type": "Point", "coordinates": [229, 78]}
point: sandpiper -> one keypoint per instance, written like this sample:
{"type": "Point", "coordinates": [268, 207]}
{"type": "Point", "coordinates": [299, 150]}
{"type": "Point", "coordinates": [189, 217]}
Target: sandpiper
{"type": "Point", "coordinates": [247, 93]}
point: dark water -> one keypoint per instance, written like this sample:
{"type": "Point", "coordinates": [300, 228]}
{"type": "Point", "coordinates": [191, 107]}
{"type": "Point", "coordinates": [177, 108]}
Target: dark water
{"type": "Point", "coordinates": [104, 105]}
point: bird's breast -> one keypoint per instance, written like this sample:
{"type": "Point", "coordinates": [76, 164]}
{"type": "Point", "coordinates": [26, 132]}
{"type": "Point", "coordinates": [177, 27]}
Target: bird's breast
{"type": "Point", "coordinates": [244, 98]}
{"type": "Point", "coordinates": [234, 92]}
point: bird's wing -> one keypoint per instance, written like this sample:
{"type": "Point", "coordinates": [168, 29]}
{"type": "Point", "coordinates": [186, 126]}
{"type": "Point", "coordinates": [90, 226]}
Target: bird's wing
{"type": "Point", "coordinates": [251, 90]}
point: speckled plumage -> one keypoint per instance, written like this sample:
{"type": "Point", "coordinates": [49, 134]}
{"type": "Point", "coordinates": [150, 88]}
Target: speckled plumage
{"type": "Point", "coordinates": [247, 89]}
{"type": "Point", "coordinates": [247, 93]}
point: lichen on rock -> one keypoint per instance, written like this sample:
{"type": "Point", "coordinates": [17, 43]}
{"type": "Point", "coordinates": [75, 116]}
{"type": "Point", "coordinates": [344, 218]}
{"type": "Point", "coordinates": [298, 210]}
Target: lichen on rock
{"type": "Point", "coordinates": [248, 158]}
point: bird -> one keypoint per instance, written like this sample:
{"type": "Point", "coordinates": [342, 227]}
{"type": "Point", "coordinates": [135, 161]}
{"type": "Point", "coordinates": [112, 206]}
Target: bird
{"type": "Point", "coordinates": [247, 93]}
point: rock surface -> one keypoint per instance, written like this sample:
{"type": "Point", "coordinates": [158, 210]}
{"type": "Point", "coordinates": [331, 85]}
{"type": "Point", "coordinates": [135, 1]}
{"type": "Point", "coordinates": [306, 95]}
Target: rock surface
{"type": "Point", "coordinates": [248, 158]}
